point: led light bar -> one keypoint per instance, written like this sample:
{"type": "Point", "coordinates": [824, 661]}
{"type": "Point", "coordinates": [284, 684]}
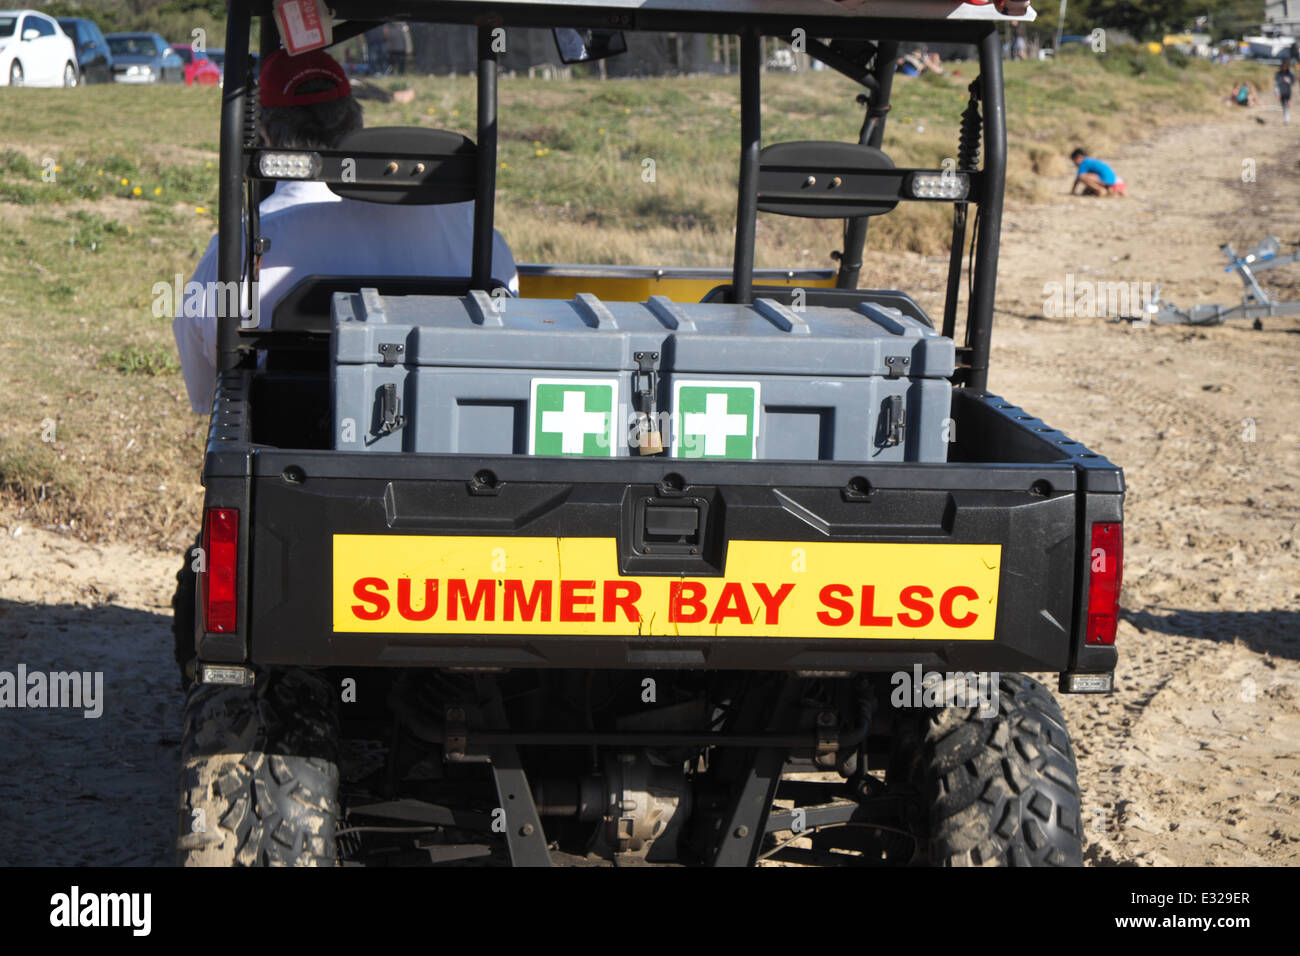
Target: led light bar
{"type": "Point", "coordinates": [279, 165]}
{"type": "Point", "coordinates": [944, 185]}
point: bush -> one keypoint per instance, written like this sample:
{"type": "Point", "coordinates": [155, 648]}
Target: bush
{"type": "Point", "coordinates": [1128, 59]}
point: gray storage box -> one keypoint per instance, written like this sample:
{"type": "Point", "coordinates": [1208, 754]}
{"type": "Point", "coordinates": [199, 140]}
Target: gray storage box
{"type": "Point", "coordinates": [484, 375]}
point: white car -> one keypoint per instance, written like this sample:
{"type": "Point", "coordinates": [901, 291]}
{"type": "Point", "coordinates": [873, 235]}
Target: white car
{"type": "Point", "coordinates": [34, 51]}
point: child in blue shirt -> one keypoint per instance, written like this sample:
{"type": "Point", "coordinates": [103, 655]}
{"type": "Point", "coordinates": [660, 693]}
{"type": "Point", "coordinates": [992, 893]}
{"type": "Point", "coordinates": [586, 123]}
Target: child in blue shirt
{"type": "Point", "coordinates": [1096, 178]}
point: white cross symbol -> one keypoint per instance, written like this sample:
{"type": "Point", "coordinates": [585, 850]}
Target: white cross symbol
{"type": "Point", "coordinates": [715, 424]}
{"type": "Point", "coordinates": [574, 423]}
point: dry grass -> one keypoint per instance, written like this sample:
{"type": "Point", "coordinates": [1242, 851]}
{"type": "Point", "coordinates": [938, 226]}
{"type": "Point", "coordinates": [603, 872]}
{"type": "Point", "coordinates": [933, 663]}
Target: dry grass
{"type": "Point", "coordinates": [95, 431]}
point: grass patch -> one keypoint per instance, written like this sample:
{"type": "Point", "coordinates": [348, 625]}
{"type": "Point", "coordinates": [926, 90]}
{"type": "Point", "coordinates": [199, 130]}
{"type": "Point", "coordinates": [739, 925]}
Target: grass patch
{"type": "Point", "coordinates": [133, 360]}
{"type": "Point", "coordinates": [92, 231]}
{"type": "Point", "coordinates": [35, 475]}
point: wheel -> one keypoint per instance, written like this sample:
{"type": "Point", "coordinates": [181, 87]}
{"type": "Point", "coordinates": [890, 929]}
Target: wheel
{"type": "Point", "coordinates": [994, 791]}
{"type": "Point", "coordinates": [16, 74]}
{"type": "Point", "coordinates": [183, 603]}
{"type": "Point", "coordinates": [259, 773]}
{"type": "Point", "coordinates": [69, 75]}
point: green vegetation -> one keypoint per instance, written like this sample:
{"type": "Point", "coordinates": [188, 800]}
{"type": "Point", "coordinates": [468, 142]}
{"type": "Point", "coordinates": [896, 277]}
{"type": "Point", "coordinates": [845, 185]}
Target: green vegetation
{"type": "Point", "coordinates": [174, 19]}
{"type": "Point", "coordinates": [1148, 19]}
{"type": "Point", "coordinates": [133, 360]}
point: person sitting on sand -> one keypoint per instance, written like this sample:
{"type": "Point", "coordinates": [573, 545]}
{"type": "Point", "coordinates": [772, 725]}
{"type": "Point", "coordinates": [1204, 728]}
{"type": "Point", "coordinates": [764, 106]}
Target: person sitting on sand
{"type": "Point", "coordinates": [1245, 94]}
{"type": "Point", "coordinates": [1096, 178]}
{"type": "Point", "coordinates": [918, 62]}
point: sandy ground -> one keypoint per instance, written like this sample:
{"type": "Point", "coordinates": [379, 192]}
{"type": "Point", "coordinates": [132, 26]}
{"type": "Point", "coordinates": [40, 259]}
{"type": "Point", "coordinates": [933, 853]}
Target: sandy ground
{"type": "Point", "coordinates": [1195, 759]}
{"type": "Point", "coordinates": [79, 790]}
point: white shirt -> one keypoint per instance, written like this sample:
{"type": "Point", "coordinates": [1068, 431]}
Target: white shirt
{"type": "Point", "coordinates": [314, 232]}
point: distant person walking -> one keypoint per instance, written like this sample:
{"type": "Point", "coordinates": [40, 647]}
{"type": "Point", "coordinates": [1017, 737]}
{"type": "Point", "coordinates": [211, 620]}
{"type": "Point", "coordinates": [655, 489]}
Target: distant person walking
{"type": "Point", "coordinates": [377, 50]}
{"type": "Point", "coordinates": [397, 37]}
{"type": "Point", "coordinates": [1283, 82]}
{"type": "Point", "coordinates": [1095, 177]}
{"type": "Point", "coordinates": [1019, 47]}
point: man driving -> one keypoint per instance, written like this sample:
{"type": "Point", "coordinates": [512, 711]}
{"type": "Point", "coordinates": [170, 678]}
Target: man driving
{"type": "Point", "coordinates": [307, 103]}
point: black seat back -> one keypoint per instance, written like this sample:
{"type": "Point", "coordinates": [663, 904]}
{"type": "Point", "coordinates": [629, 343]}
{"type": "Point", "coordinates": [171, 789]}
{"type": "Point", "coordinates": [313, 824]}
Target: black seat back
{"type": "Point", "coordinates": [405, 165]}
{"type": "Point", "coordinates": [826, 180]}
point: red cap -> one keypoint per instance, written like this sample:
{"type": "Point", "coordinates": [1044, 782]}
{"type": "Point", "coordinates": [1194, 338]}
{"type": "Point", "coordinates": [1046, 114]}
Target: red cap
{"type": "Point", "coordinates": [282, 74]}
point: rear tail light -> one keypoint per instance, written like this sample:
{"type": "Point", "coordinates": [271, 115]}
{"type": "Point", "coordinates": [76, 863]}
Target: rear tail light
{"type": "Point", "coordinates": [221, 545]}
{"type": "Point", "coordinates": [1104, 577]}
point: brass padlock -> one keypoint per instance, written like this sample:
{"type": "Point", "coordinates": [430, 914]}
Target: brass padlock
{"type": "Point", "coordinates": [649, 441]}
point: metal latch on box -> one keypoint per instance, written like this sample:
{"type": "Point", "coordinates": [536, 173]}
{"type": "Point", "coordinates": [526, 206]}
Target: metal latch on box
{"type": "Point", "coordinates": [390, 353]}
{"type": "Point", "coordinates": [649, 439]}
{"type": "Point", "coordinates": [894, 427]}
{"type": "Point", "coordinates": [390, 409]}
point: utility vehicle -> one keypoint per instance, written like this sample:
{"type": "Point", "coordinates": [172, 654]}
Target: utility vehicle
{"type": "Point", "coordinates": [450, 606]}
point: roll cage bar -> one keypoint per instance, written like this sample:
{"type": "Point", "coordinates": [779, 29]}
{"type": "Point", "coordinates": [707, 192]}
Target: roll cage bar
{"type": "Point", "coordinates": [864, 49]}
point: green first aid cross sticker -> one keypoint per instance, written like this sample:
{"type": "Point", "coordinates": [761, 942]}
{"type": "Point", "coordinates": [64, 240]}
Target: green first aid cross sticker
{"type": "Point", "coordinates": [715, 419]}
{"type": "Point", "coordinates": [572, 417]}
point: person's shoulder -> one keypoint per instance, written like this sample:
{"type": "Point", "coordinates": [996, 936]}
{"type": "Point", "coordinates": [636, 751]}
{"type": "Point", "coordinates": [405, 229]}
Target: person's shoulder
{"type": "Point", "coordinates": [292, 200]}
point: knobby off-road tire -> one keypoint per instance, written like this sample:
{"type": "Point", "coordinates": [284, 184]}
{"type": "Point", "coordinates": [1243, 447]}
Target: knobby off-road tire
{"type": "Point", "coordinates": [259, 773]}
{"type": "Point", "coordinates": [1000, 790]}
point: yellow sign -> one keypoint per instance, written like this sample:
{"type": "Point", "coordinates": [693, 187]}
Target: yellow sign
{"type": "Point", "coordinates": [440, 584]}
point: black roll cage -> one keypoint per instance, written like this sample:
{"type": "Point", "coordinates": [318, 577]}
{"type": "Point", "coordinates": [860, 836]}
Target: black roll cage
{"type": "Point", "coordinates": [875, 75]}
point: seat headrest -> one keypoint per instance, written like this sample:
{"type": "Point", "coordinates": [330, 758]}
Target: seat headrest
{"type": "Point", "coordinates": [826, 180]}
{"type": "Point", "coordinates": [409, 166]}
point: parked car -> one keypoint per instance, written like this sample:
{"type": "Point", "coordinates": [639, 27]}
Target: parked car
{"type": "Point", "coordinates": [218, 56]}
{"type": "Point", "coordinates": [144, 58]}
{"type": "Point", "coordinates": [34, 51]}
{"type": "Point", "coordinates": [94, 61]}
{"type": "Point", "coordinates": [198, 68]}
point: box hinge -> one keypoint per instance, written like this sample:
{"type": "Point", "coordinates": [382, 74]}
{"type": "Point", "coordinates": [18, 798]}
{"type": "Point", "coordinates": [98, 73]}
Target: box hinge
{"type": "Point", "coordinates": [896, 366]}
